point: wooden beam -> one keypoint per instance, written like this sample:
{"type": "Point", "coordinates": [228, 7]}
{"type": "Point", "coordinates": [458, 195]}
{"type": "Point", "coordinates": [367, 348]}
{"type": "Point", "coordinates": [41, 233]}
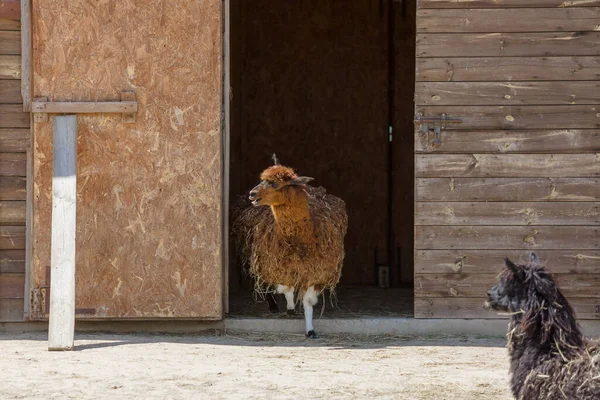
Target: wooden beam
{"type": "Point", "coordinates": [124, 107]}
{"type": "Point", "coordinates": [64, 196]}
{"type": "Point", "coordinates": [26, 54]}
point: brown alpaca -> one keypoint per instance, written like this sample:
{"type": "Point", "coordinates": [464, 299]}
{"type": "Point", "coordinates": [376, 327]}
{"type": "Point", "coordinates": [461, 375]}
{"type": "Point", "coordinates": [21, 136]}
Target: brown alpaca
{"type": "Point", "coordinates": [296, 241]}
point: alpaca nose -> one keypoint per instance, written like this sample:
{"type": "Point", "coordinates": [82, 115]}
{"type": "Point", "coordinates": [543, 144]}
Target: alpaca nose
{"type": "Point", "coordinates": [253, 194]}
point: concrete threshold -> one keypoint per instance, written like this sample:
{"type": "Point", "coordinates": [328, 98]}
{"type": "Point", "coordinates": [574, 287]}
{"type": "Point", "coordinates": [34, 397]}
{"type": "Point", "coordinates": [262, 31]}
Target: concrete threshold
{"type": "Point", "coordinates": [368, 325]}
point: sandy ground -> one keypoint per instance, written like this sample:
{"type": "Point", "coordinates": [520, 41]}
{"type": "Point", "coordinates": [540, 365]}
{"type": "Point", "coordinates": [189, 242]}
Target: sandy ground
{"type": "Point", "coordinates": [251, 366]}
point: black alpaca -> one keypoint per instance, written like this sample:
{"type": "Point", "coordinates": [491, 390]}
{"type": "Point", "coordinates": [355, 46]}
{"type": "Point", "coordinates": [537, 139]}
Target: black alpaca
{"type": "Point", "coordinates": [549, 357]}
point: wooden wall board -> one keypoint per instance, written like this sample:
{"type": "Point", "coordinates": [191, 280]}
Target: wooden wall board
{"type": "Point", "coordinates": [492, 261]}
{"type": "Point", "coordinates": [508, 20]}
{"type": "Point", "coordinates": [149, 193]}
{"type": "Point", "coordinates": [11, 286]}
{"type": "Point", "coordinates": [14, 140]}
{"type": "Point", "coordinates": [10, 67]}
{"type": "Point", "coordinates": [518, 116]}
{"type": "Point", "coordinates": [502, 69]}
{"type": "Point", "coordinates": [585, 308]}
{"type": "Point", "coordinates": [11, 310]}
{"type": "Point", "coordinates": [507, 93]}
{"type": "Point", "coordinates": [10, 91]}
{"type": "Point", "coordinates": [504, 141]}
{"type": "Point", "coordinates": [12, 261]}
{"type": "Point", "coordinates": [474, 4]}
{"type": "Point", "coordinates": [507, 237]}
{"type": "Point", "coordinates": [13, 188]}
{"type": "Point", "coordinates": [507, 165]}
{"type": "Point", "coordinates": [13, 164]}
{"type": "Point", "coordinates": [12, 237]}
{"type": "Point", "coordinates": [504, 213]}
{"type": "Point", "coordinates": [12, 213]}
{"type": "Point", "coordinates": [507, 189]}
{"type": "Point", "coordinates": [10, 9]}
{"type": "Point", "coordinates": [477, 285]}
{"type": "Point", "coordinates": [12, 116]}
{"type": "Point", "coordinates": [508, 44]}
{"type": "Point", "coordinates": [10, 42]}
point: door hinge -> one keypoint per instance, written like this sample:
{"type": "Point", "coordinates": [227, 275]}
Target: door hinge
{"type": "Point", "coordinates": [433, 126]}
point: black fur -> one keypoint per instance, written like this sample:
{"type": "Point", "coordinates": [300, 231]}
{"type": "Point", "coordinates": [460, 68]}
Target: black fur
{"type": "Point", "coordinates": [549, 357]}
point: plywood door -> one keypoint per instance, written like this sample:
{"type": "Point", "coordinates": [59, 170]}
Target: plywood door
{"type": "Point", "coordinates": [522, 172]}
{"type": "Point", "coordinates": [149, 194]}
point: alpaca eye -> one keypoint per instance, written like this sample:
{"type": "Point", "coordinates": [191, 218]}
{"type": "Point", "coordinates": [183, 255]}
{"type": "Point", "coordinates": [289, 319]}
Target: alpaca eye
{"type": "Point", "coordinates": [273, 184]}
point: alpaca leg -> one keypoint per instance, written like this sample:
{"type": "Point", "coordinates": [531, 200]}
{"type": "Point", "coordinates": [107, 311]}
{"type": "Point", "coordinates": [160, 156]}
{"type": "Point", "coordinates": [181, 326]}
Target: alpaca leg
{"type": "Point", "coordinates": [289, 297]}
{"type": "Point", "coordinates": [272, 303]}
{"type": "Point", "coordinates": [309, 300]}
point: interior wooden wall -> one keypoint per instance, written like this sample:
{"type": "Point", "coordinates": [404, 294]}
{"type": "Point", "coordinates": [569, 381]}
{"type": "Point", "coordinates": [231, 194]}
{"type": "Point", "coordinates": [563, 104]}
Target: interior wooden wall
{"type": "Point", "coordinates": [522, 171]}
{"type": "Point", "coordinates": [310, 83]}
{"type": "Point", "coordinates": [14, 144]}
{"type": "Point", "coordinates": [149, 193]}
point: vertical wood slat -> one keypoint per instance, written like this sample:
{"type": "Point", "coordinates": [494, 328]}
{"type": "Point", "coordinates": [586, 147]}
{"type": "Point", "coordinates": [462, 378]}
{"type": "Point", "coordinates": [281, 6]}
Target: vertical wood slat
{"type": "Point", "coordinates": [64, 194]}
{"type": "Point", "coordinates": [26, 54]}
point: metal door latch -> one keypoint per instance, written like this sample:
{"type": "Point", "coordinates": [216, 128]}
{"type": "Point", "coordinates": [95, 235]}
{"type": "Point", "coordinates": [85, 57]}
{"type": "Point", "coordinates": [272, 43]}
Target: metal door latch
{"type": "Point", "coordinates": [433, 126]}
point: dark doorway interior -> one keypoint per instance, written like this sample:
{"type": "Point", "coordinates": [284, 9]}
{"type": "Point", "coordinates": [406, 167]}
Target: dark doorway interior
{"type": "Point", "coordinates": [319, 83]}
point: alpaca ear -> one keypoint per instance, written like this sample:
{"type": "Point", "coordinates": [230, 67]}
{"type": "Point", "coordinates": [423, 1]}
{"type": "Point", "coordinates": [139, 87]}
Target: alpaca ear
{"type": "Point", "coordinates": [515, 269]}
{"type": "Point", "coordinates": [533, 258]}
{"type": "Point", "coordinates": [301, 180]}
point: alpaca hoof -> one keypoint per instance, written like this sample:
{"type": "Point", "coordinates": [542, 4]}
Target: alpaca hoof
{"type": "Point", "coordinates": [311, 335]}
{"type": "Point", "coordinates": [291, 312]}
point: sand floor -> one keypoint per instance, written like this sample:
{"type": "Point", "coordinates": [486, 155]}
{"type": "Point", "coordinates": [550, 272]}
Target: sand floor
{"type": "Point", "coordinates": [252, 366]}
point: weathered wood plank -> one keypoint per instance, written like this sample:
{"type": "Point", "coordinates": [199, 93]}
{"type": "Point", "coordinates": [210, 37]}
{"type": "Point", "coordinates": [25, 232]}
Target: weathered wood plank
{"type": "Point", "coordinates": [507, 165]}
{"type": "Point", "coordinates": [12, 116]}
{"type": "Point", "coordinates": [9, 24]}
{"type": "Point", "coordinates": [506, 93]}
{"type": "Point", "coordinates": [10, 42]}
{"type": "Point", "coordinates": [61, 327]}
{"type": "Point", "coordinates": [472, 4]}
{"type": "Point", "coordinates": [14, 140]}
{"type": "Point", "coordinates": [26, 50]}
{"type": "Point", "coordinates": [10, 67]}
{"type": "Point", "coordinates": [12, 286]}
{"type": "Point", "coordinates": [12, 261]}
{"type": "Point", "coordinates": [507, 237]}
{"type": "Point", "coordinates": [585, 308]}
{"type": "Point", "coordinates": [12, 237]}
{"type": "Point", "coordinates": [492, 261]}
{"type": "Point", "coordinates": [13, 188]}
{"type": "Point", "coordinates": [508, 20]}
{"type": "Point", "coordinates": [512, 69]}
{"type": "Point", "coordinates": [477, 285]}
{"type": "Point", "coordinates": [501, 213]}
{"type": "Point", "coordinates": [507, 189]}
{"type": "Point", "coordinates": [13, 164]}
{"type": "Point", "coordinates": [11, 310]}
{"type": "Point", "coordinates": [508, 44]}
{"type": "Point", "coordinates": [10, 9]}
{"type": "Point", "coordinates": [10, 91]}
{"type": "Point", "coordinates": [497, 141]}
{"type": "Point", "coordinates": [518, 117]}
{"type": "Point", "coordinates": [13, 212]}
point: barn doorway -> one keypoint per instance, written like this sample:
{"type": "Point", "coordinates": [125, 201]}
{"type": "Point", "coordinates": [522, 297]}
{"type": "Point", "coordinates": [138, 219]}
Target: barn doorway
{"type": "Point", "coordinates": [325, 85]}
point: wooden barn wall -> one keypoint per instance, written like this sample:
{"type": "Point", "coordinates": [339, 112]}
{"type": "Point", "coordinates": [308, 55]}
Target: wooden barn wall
{"type": "Point", "coordinates": [522, 172]}
{"type": "Point", "coordinates": [310, 84]}
{"type": "Point", "coordinates": [14, 144]}
{"type": "Point", "coordinates": [149, 193]}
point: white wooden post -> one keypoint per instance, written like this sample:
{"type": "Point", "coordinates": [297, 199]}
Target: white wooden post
{"type": "Point", "coordinates": [61, 330]}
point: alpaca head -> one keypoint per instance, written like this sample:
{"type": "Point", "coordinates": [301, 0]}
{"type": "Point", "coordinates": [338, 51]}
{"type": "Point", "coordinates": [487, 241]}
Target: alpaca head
{"type": "Point", "coordinates": [278, 184]}
{"type": "Point", "coordinates": [530, 293]}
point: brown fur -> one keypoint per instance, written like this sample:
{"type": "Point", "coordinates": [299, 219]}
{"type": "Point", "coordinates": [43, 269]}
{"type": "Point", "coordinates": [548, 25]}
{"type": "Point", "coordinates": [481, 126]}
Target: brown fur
{"type": "Point", "coordinates": [295, 237]}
